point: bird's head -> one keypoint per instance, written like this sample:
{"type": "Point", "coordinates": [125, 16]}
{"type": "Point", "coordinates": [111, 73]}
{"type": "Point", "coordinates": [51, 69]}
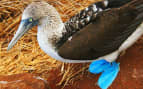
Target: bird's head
{"type": "Point", "coordinates": [34, 14]}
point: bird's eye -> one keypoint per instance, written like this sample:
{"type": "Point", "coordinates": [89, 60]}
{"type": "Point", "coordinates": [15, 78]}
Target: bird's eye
{"type": "Point", "coordinates": [30, 20]}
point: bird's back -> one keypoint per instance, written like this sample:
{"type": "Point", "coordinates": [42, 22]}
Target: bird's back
{"type": "Point", "coordinates": [86, 16]}
{"type": "Point", "coordinates": [106, 34]}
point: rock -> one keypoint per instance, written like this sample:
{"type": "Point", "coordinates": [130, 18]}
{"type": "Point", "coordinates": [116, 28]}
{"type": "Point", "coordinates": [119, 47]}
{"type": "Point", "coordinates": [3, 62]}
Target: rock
{"type": "Point", "coordinates": [22, 81]}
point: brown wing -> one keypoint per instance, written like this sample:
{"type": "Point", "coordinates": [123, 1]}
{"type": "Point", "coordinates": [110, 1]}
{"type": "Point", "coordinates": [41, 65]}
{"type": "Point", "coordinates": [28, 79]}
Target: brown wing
{"type": "Point", "coordinates": [85, 16]}
{"type": "Point", "coordinates": [102, 37]}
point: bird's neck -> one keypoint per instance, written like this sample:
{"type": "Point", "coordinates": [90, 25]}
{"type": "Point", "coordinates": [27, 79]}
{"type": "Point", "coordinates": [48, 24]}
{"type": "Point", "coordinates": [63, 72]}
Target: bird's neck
{"type": "Point", "coordinates": [49, 33]}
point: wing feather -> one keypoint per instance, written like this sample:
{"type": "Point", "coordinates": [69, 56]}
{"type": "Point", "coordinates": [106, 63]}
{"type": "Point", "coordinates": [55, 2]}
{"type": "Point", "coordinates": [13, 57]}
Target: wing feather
{"type": "Point", "coordinates": [105, 35]}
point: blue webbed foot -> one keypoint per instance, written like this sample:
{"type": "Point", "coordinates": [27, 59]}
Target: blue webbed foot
{"type": "Point", "coordinates": [98, 66]}
{"type": "Point", "coordinates": [108, 76]}
{"type": "Point", "coordinates": [109, 72]}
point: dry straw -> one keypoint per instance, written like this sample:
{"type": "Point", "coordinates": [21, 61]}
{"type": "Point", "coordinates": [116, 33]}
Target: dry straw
{"type": "Point", "coordinates": [26, 55]}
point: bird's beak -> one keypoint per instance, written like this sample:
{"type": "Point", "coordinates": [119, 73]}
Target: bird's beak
{"type": "Point", "coordinates": [23, 28]}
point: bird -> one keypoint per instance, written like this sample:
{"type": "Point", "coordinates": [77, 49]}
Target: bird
{"type": "Point", "coordinates": [101, 41]}
{"type": "Point", "coordinates": [47, 17]}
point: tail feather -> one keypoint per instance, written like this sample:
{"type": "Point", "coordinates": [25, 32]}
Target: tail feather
{"type": "Point", "coordinates": [117, 3]}
{"type": "Point", "coordinates": [137, 5]}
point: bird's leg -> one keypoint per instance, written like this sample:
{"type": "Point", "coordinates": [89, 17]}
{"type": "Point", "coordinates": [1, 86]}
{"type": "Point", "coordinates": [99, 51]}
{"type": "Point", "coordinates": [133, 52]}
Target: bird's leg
{"type": "Point", "coordinates": [123, 53]}
{"type": "Point", "coordinates": [108, 70]}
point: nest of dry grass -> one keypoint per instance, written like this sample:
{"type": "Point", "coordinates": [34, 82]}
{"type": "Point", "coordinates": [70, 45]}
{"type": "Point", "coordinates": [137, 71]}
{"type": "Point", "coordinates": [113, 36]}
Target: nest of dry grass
{"type": "Point", "coordinates": [26, 55]}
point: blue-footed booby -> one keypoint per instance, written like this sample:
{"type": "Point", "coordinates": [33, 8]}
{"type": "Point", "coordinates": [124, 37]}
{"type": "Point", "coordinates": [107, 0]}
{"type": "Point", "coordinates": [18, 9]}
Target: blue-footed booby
{"type": "Point", "coordinates": [52, 32]}
{"type": "Point", "coordinates": [101, 35]}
